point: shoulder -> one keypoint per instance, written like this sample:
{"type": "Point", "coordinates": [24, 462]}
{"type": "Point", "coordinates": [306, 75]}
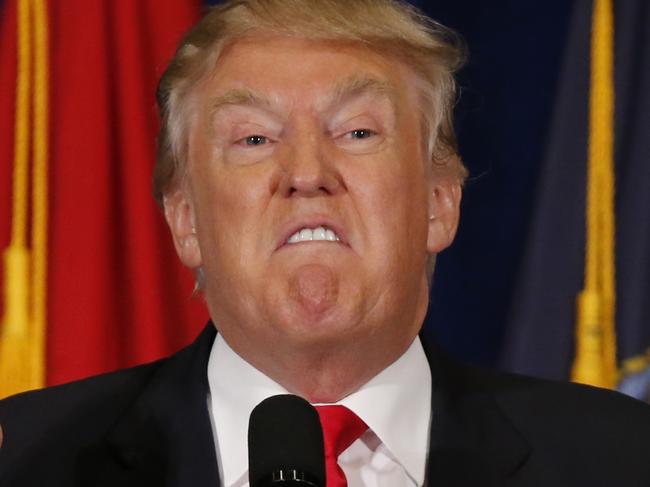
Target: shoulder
{"type": "Point", "coordinates": [93, 395]}
{"type": "Point", "coordinates": [563, 433]}
{"type": "Point", "coordinates": [544, 406]}
{"type": "Point", "coordinates": [56, 428]}
{"type": "Point", "coordinates": [51, 423]}
{"type": "Point", "coordinates": [553, 405]}
{"type": "Point", "coordinates": [571, 427]}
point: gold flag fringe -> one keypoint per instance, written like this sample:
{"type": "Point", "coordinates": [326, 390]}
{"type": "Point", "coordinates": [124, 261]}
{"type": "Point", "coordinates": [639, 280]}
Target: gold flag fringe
{"type": "Point", "coordinates": [595, 359]}
{"type": "Point", "coordinates": [22, 334]}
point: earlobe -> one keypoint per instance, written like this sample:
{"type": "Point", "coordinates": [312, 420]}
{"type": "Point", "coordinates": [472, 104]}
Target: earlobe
{"type": "Point", "coordinates": [444, 213]}
{"type": "Point", "coordinates": [179, 214]}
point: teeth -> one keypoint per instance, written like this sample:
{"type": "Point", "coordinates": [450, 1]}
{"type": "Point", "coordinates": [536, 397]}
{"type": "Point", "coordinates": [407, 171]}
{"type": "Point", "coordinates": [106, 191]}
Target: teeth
{"type": "Point", "coordinates": [306, 234]}
{"type": "Point", "coordinates": [318, 233]}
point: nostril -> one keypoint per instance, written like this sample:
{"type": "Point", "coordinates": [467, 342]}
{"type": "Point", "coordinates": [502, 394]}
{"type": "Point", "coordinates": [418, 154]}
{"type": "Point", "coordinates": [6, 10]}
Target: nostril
{"type": "Point", "coordinates": [306, 191]}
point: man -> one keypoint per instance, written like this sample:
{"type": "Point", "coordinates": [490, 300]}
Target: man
{"type": "Point", "coordinates": [308, 173]}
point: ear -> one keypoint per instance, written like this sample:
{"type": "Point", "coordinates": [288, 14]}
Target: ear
{"type": "Point", "coordinates": [180, 217]}
{"type": "Point", "coordinates": [444, 212]}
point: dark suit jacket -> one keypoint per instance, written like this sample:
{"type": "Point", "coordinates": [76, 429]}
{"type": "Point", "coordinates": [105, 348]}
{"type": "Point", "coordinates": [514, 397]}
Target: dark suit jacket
{"type": "Point", "coordinates": [149, 426]}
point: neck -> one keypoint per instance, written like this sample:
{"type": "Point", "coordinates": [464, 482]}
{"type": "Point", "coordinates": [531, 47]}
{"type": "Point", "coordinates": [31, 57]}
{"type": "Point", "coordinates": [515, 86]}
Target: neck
{"type": "Point", "coordinates": [334, 374]}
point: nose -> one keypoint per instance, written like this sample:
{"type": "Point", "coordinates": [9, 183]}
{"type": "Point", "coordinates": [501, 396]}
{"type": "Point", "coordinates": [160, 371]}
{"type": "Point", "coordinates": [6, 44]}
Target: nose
{"type": "Point", "coordinates": [309, 170]}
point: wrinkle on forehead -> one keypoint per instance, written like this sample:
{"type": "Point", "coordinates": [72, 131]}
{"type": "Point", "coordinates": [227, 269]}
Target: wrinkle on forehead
{"type": "Point", "coordinates": [341, 92]}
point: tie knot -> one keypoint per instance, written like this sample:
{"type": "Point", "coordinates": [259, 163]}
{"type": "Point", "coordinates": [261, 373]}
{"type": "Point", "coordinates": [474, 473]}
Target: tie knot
{"type": "Point", "coordinates": [341, 427]}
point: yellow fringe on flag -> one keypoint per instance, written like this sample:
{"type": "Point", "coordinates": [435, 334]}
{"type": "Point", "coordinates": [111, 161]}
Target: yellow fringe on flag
{"type": "Point", "coordinates": [22, 335]}
{"type": "Point", "coordinates": [595, 360]}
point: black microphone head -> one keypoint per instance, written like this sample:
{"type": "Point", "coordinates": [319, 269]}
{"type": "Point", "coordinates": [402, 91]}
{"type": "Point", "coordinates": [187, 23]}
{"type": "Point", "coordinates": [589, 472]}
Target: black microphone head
{"type": "Point", "coordinates": [285, 444]}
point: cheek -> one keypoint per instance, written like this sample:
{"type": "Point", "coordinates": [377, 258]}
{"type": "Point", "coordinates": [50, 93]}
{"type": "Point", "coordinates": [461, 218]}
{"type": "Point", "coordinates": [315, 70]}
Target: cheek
{"type": "Point", "coordinates": [230, 204]}
{"type": "Point", "coordinates": [393, 188]}
{"type": "Point", "coordinates": [392, 210]}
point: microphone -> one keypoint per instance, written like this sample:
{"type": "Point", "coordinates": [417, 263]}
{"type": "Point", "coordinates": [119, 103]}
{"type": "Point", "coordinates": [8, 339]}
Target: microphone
{"type": "Point", "coordinates": [285, 444]}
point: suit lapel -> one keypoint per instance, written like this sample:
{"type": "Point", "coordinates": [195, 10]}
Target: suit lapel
{"type": "Point", "coordinates": [472, 442]}
{"type": "Point", "coordinates": [165, 437]}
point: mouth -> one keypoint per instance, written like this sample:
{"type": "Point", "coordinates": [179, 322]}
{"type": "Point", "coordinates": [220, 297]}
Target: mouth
{"type": "Point", "coordinates": [318, 231]}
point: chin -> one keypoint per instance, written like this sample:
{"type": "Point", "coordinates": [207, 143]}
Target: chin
{"type": "Point", "coordinates": [305, 326]}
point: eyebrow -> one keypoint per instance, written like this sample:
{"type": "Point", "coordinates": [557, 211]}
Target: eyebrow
{"type": "Point", "coordinates": [356, 86]}
{"type": "Point", "coordinates": [242, 96]}
{"type": "Point", "coordinates": [348, 88]}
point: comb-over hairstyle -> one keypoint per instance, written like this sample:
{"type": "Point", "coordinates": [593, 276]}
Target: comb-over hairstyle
{"type": "Point", "coordinates": [390, 27]}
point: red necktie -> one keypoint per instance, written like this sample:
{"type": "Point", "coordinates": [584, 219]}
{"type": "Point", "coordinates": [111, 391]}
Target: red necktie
{"type": "Point", "coordinates": [340, 428]}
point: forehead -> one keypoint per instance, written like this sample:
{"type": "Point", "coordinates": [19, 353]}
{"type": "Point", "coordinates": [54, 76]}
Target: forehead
{"type": "Point", "coordinates": [298, 70]}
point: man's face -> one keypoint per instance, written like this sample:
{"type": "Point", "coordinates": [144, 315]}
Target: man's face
{"type": "Point", "coordinates": [309, 190]}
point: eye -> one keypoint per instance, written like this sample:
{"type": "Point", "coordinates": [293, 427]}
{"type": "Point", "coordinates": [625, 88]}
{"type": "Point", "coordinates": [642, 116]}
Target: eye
{"type": "Point", "coordinates": [254, 140]}
{"type": "Point", "coordinates": [361, 133]}
{"type": "Point", "coordinates": [360, 140]}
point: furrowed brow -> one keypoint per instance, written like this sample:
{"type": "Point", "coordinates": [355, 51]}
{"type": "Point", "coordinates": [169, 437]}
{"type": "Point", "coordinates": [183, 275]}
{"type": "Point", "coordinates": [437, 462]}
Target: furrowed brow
{"type": "Point", "coordinates": [352, 87]}
{"type": "Point", "coordinates": [241, 97]}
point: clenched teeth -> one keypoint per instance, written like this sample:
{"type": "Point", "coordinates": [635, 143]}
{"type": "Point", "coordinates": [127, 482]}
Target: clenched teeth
{"type": "Point", "coordinates": [311, 234]}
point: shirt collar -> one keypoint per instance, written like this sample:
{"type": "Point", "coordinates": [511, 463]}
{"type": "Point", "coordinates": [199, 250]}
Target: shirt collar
{"type": "Point", "coordinates": [395, 404]}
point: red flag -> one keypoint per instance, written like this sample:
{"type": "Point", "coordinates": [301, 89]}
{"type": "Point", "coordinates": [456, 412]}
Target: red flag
{"type": "Point", "coordinates": [117, 294]}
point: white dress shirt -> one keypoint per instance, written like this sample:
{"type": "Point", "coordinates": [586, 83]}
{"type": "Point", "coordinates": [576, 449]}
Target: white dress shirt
{"type": "Point", "coordinates": [395, 404]}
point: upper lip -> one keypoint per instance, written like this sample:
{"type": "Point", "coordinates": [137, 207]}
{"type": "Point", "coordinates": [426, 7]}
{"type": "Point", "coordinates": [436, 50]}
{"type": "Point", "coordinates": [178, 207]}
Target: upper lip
{"type": "Point", "coordinates": [312, 221]}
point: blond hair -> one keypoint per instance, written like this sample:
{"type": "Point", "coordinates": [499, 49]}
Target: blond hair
{"type": "Point", "coordinates": [391, 27]}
